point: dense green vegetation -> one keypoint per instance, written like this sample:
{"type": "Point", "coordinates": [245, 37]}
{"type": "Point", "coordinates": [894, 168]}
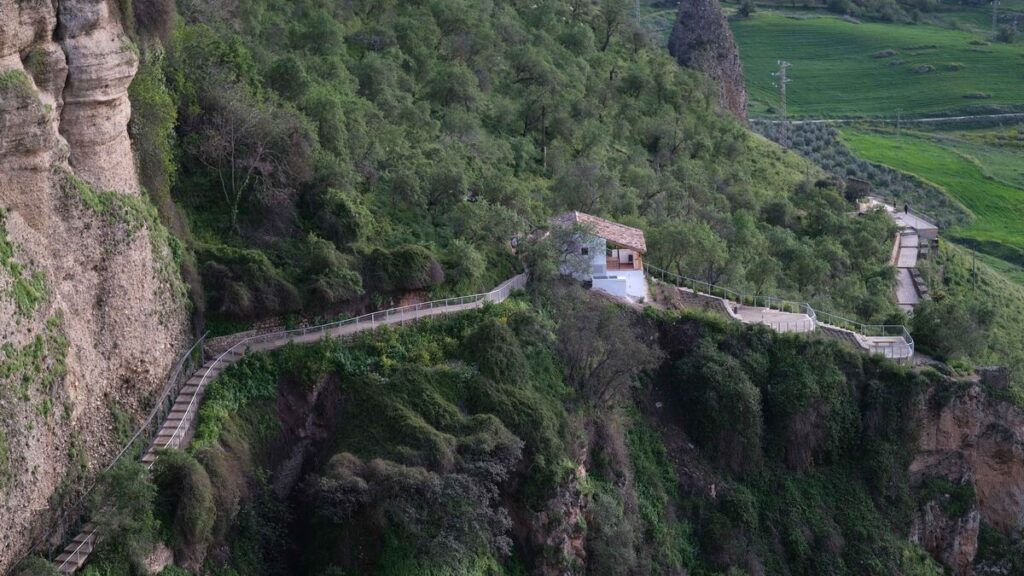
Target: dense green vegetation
{"type": "Point", "coordinates": [841, 68]}
{"type": "Point", "coordinates": [318, 157]}
{"type": "Point", "coordinates": [997, 205]}
{"type": "Point", "coordinates": [330, 158]}
{"type": "Point", "coordinates": [975, 313]}
{"type": "Point", "coordinates": [752, 402]}
{"type": "Point", "coordinates": [454, 447]}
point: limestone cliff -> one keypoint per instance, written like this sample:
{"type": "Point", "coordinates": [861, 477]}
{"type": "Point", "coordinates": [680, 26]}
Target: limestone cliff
{"type": "Point", "coordinates": [701, 40]}
{"type": "Point", "coordinates": [968, 438]}
{"type": "Point", "coordinates": [92, 315]}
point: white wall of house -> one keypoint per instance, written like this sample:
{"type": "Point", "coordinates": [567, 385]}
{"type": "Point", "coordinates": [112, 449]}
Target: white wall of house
{"type": "Point", "coordinates": [618, 287]}
{"type": "Point", "coordinates": [623, 254]}
{"type": "Point", "coordinates": [593, 266]}
{"type": "Point", "coordinates": [583, 266]}
{"type": "Point", "coordinates": [630, 284]}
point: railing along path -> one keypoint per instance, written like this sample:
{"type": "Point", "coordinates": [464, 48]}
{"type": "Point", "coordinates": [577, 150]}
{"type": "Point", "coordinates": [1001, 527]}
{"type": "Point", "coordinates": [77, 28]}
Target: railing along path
{"type": "Point", "coordinates": [168, 426]}
{"type": "Point", "coordinates": [892, 341]}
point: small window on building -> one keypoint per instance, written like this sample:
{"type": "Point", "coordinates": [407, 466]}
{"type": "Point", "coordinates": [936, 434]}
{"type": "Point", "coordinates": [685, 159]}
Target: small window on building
{"type": "Point", "coordinates": [585, 251]}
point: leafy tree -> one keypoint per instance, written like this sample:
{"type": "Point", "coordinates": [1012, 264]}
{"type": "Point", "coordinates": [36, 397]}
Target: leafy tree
{"type": "Point", "coordinates": [600, 349]}
{"type": "Point", "coordinates": [255, 149]}
{"type": "Point", "coordinates": [121, 506]}
{"type": "Point", "coordinates": [185, 498]}
{"type": "Point", "coordinates": [612, 16]}
{"type": "Point", "coordinates": [723, 408]}
{"type": "Point", "coordinates": [951, 327]}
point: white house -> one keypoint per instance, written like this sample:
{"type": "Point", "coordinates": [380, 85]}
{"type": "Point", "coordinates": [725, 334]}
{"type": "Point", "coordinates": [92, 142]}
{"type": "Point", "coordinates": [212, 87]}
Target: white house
{"type": "Point", "coordinates": [605, 253]}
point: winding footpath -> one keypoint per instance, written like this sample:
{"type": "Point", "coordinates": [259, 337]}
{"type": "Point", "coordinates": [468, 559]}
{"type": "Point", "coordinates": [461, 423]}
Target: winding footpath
{"type": "Point", "coordinates": [172, 423]}
{"type": "Point", "coordinates": [785, 316]}
{"type": "Point", "coordinates": [177, 425]}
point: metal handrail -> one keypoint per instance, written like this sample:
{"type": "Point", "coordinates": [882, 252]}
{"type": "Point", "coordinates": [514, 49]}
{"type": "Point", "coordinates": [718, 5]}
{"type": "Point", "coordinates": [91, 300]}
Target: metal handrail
{"type": "Point", "coordinates": [171, 389]}
{"type": "Point", "coordinates": [497, 295]}
{"type": "Point", "coordinates": [783, 305]}
{"type": "Point", "coordinates": [75, 553]}
{"type": "Point", "coordinates": [757, 300]}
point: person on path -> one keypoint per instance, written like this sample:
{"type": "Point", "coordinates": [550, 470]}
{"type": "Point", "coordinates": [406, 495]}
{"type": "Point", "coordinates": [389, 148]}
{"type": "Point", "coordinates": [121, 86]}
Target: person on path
{"type": "Point", "coordinates": [906, 208]}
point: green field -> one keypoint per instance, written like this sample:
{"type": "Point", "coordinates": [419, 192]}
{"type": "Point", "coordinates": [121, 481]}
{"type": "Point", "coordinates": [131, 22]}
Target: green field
{"type": "Point", "coordinates": [951, 164]}
{"type": "Point", "coordinates": [837, 71]}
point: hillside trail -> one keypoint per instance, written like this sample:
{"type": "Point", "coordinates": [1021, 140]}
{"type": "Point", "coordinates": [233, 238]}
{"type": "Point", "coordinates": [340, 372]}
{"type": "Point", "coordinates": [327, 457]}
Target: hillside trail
{"type": "Point", "coordinates": [175, 420]}
{"type": "Point", "coordinates": [177, 425]}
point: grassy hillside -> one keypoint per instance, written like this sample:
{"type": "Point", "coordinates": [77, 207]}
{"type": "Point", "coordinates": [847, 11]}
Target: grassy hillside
{"type": "Point", "coordinates": [838, 68]}
{"type": "Point", "coordinates": [997, 205]}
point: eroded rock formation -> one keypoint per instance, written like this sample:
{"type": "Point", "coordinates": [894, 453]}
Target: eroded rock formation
{"type": "Point", "coordinates": [967, 437]}
{"type": "Point", "coordinates": [701, 40]}
{"type": "Point", "coordinates": [91, 311]}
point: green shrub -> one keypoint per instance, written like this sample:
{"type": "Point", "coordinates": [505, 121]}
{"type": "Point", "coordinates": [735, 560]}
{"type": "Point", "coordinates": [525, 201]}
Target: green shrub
{"type": "Point", "coordinates": [723, 408]}
{"type": "Point", "coordinates": [185, 504]}
{"type": "Point", "coordinates": [955, 499]}
{"type": "Point", "coordinates": [16, 84]}
{"type": "Point", "coordinates": [407, 267]}
{"type": "Point", "coordinates": [657, 488]}
{"type": "Point", "coordinates": [342, 217]}
{"type": "Point", "coordinates": [497, 353]}
{"type": "Point", "coordinates": [121, 506]}
{"type": "Point", "coordinates": [332, 279]}
{"type": "Point", "coordinates": [249, 380]}
{"type": "Point", "coordinates": [244, 284]}
{"type": "Point", "coordinates": [36, 566]}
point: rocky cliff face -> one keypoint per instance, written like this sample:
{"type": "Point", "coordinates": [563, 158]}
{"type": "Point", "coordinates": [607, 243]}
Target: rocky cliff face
{"type": "Point", "coordinates": [969, 439]}
{"type": "Point", "coordinates": [702, 40]}
{"type": "Point", "coordinates": [91, 311]}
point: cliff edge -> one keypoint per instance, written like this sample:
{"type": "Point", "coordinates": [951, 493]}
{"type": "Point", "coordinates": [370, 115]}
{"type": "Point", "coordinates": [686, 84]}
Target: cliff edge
{"type": "Point", "coordinates": [701, 40]}
{"type": "Point", "coordinates": [92, 311]}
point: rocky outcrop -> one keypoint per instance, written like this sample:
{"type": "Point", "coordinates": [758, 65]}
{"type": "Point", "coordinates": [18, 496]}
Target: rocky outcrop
{"type": "Point", "coordinates": [948, 522]}
{"type": "Point", "coordinates": [966, 437]}
{"type": "Point", "coordinates": [92, 314]}
{"type": "Point", "coordinates": [559, 530]}
{"type": "Point", "coordinates": [701, 40]}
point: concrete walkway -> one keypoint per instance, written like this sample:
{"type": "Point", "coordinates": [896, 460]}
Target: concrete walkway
{"type": "Point", "coordinates": [177, 429]}
{"type": "Point", "coordinates": [774, 319]}
{"type": "Point", "coordinates": [912, 229]}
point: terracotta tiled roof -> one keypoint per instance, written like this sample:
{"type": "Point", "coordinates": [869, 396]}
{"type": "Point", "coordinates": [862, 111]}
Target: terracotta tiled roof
{"type": "Point", "coordinates": [625, 236]}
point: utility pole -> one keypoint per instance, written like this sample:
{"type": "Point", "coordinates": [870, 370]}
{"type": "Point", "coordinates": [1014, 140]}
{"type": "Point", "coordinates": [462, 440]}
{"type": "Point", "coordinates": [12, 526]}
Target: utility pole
{"type": "Point", "coordinates": [781, 79]}
{"type": "Point", "coordinates": [899, 119]}
{"type": "Point", "coordinates": [995, 17]}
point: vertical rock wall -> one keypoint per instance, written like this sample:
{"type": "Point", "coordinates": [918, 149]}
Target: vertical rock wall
{"type": "Point", "coordinates": [969, 438]}
{"type": "Point", "coordinates": [92, 339]}
{"type": "Point", "coordinates": [701, 40]}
